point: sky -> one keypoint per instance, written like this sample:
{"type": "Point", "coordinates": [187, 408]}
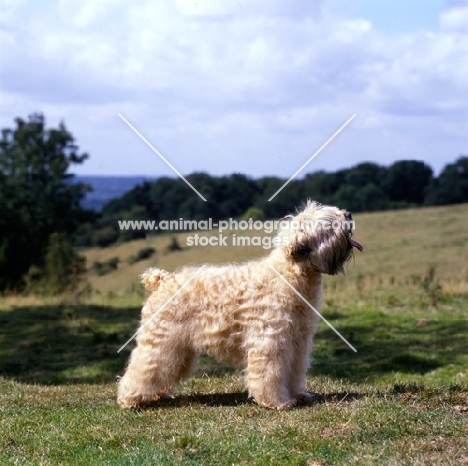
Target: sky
{"type": "Point", "coordinates": [241, 86]}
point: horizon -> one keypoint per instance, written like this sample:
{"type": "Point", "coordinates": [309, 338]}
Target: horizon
{"type": "Point", "coordinates": [299, 176]}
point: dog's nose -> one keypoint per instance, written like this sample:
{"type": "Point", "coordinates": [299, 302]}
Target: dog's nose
{"type": "Point", "coordinates": [348, 215]}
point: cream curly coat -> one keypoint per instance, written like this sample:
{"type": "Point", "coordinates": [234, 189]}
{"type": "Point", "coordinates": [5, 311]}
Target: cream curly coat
{"type": "Point", "coordinates": [241, 314]}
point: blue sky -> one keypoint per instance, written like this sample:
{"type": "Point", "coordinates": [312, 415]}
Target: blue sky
{"type": "Point", "coordinates": [396, 16]}
{"type": "Point", "coordinates": [249, 86]}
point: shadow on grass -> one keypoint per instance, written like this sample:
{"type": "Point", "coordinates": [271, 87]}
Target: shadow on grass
{"type": "Point", "coordinates": [65, 344]}
{"type": "Point", "coordinates": [242, 398]}
{"type": "Point", "coordinates": [389, 346]}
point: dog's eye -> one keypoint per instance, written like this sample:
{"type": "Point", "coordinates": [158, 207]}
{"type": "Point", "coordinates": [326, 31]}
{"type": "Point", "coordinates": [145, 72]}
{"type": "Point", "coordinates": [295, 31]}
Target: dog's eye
{"type": "Point", "coordinates": [302, 251]}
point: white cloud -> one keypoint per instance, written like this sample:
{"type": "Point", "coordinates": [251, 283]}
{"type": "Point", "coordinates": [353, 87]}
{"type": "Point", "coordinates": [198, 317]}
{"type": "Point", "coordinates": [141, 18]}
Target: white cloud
{"type": "Point", "coordinates": [235, 86]}
{"type": "Point", "coordinates": [206, 7]}
{"type": "Point", "coordinates": [455, 20]}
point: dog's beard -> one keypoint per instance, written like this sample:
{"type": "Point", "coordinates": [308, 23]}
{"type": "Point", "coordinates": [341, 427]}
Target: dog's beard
{"type": "Point", "coordinates": [331, 252]}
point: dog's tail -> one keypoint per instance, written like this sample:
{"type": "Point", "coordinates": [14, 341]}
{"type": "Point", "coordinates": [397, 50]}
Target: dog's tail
{"type": "Point", "coordinates": [152, 278]}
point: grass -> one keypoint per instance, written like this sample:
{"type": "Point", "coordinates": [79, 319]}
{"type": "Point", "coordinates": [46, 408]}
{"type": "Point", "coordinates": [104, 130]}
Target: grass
{"type": "Point", "coordinates": [348, 424]}
{"type": "Point", "coordinates": [401, 399]}
{"type": "Point", "coordinates": [53, 344]}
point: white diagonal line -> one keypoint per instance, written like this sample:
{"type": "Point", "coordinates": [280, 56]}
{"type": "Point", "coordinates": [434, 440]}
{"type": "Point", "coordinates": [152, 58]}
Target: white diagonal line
{"type": "Point", "coordinates": [317, 153]}
{"type": "Point", "coordinates": [162, 307]}
{"type": "Point", "coordinates": [313, 308]}
{"type": "Point", "coordinates": [159, 154]}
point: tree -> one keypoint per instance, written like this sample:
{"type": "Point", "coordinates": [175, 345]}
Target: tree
{"type": "Point", "coordinates": [407, 180]}
{"type": "Point", "coordinates": [365, 173]}
{"type": "Point", "coordinates": [137, 196]}
{"type": "Point", "coordinates": [63, 267]}
{"type": "Point", "coordinates": [235, 194]}
{"type": "Point", "coordinates": [321, 186]}
{"type": "Point", "coordinates": [37, 194]}
{"type": "Point", "coordinates": [451, 187]}
{"type": "Point", "coordinates": [283, 203]}
{"type": "Point", "coordinates": [368, 198]}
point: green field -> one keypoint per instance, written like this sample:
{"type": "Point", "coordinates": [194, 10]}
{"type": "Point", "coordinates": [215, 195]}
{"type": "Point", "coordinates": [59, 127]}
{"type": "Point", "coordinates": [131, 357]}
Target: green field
{"type": "Point", "coordinates": [401, 399]}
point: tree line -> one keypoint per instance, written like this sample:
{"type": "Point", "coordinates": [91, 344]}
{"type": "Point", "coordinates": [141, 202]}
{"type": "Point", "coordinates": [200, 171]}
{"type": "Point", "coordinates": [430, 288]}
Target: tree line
{"type": "Point", "coordinates": [365, 187]}
{"type": "Point", "coordinates": [42, 219]}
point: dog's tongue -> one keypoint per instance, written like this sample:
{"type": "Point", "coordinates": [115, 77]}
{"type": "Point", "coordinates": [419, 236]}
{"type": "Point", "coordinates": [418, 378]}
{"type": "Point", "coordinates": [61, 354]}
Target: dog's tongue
{"type": "Point", "coordinates": [356, 245]}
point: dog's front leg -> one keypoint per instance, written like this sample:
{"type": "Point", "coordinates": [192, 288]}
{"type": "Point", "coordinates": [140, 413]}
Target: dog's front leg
{"type": "Point", "coordinates": [268, 372]}
{"type": "Point", "coordinates": [299, 365]}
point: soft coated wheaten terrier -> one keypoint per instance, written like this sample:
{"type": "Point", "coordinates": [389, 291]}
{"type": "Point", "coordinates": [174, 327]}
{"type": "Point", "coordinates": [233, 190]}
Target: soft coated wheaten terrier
{"type": "Point", "coordinates": [243, 314]}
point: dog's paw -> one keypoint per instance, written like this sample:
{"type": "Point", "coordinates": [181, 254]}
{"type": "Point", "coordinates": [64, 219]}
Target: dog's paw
{"type": "Point", "coordinates": [276, 404]}
{"type": "Point", "coordinates": [305, 398]}
{"type": "Point", "coordinates": [301, 399]}
{"type": "Point", "coordinates": [138, 403]}
{"type": "Point", "coordinates": [290, 404]}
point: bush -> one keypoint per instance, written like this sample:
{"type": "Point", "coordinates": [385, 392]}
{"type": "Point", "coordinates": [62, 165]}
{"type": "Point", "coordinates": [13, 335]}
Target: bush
{"type": "Point", "coordinates": [105, 237]}
{"type": "Point", "coordinates": [63, 268]}
{"type": "Point", "coordinates": [254, 213]}
{"type": "Point", "coordinates": [103, 268]}
{"type": "Point", "coordinates": [174, 245]}
{"type": "Point", "coordinates": [142, 254]}
{"type": "Point", "coordinates": [431, 287]}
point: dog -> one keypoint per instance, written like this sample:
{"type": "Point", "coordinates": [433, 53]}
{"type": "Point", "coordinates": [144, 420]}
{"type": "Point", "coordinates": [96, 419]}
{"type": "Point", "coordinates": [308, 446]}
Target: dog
{"type": "Point", "coordinates": [251, 314]}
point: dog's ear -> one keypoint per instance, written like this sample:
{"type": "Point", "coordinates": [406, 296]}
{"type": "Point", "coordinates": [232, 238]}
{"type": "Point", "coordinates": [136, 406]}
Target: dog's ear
{"type": "Point", "coordinates": [300, 251]}
{"type": "Point", "coordinates": [298, 246]}
{"type": "Point", "coordinates": [327, 258]}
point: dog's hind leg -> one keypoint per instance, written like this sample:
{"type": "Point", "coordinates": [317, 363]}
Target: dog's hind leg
{"type": "Point", "coordinates": [153, 371]}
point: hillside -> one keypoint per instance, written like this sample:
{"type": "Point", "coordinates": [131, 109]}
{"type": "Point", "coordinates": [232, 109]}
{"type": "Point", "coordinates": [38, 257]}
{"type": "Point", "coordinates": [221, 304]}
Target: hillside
{"type": "Point", "coordinates": [400, 250]}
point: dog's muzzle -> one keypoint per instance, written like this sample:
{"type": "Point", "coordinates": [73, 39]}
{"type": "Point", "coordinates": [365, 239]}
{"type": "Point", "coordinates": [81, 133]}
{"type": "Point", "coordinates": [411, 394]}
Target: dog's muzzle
{"type": "Point", "coordinates": [352, 243]}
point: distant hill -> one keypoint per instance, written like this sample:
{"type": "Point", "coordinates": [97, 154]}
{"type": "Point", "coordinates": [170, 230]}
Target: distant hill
{"type": "Point", "coordinates": [106, 188]}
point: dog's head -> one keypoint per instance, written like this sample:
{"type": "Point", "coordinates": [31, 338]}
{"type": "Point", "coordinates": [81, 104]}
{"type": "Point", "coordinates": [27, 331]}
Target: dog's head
{"type": "Point", "coordinates": [319, 236]}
